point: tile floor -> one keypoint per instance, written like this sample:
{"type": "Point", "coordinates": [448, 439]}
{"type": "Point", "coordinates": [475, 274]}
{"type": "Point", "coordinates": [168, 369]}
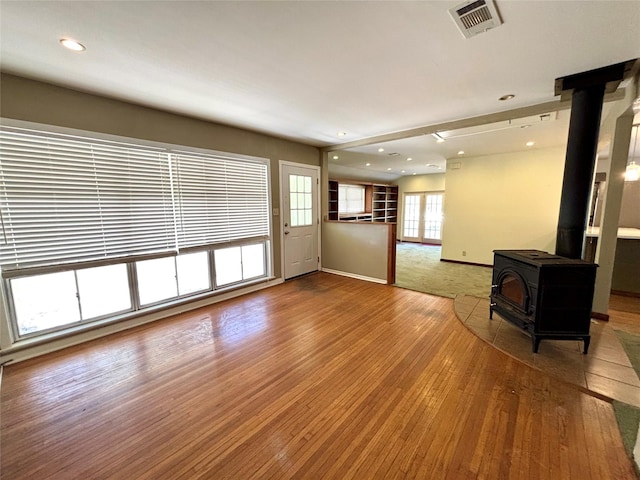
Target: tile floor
{"type": "Point", "coordinates": [605, 369]}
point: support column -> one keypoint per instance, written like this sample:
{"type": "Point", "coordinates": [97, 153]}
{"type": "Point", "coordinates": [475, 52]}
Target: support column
{"type": "Point", "coordinates": [608, 238]}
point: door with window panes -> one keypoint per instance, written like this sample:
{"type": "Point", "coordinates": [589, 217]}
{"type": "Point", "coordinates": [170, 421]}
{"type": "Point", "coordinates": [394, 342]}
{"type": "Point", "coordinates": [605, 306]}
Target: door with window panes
{"type": "Point", "coordinates": [300, 221]}
{"type": "Point", "coordinates": [423, 214]}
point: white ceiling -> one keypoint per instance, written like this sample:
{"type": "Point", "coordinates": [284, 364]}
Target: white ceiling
{"type": "Point", "coordinates": [305, 70]}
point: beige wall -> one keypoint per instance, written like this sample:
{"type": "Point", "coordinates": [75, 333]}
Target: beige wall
{"type": "Point", "coordinates": [506, 201]}
{"type": "Point", "coordinates": [630, 208]}
{"type": "Point", "coordinates": [31, 101]}
{"type": "Point", "coordinates": [417, 183]}
{"type": "Point", "coordinates": [358, 249]}
{"type": "Point", "coordinates": [28, 100]}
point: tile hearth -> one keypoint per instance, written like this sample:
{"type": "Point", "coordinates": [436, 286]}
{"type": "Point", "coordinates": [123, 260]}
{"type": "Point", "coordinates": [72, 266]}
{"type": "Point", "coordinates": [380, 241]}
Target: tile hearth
{"type": "Point", "coordinates": [606, 369]}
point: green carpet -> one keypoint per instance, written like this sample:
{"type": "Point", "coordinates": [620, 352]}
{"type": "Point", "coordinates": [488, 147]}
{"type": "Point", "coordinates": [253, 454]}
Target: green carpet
{"type": "Point", "coordinates": [418, 267]}
{"type": "Point", "coordinates": [628, 416]}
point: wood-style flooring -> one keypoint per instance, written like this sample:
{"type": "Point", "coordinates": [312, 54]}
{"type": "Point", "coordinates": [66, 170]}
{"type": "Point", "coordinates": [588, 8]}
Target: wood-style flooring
{"type": "Point", "coordinates": [323, 377]}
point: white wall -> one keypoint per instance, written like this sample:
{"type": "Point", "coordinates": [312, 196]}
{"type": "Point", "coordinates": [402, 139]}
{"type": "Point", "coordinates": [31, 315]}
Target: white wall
{"type": "Point", "coordinates": [417, 183]}
{"type": "Point", "coordinates": [506, 201]}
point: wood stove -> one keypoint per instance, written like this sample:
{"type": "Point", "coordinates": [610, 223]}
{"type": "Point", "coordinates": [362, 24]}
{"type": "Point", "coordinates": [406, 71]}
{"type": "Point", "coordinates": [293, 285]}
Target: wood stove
{"type": "Point", "coordinates": [550, 296]}
{"type": "Point", "coordinates": [546, 295]}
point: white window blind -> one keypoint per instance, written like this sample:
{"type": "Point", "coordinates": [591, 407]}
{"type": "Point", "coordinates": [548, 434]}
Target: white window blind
{"type": "Point", "coordinates": [220, 199]}
{"type": "Point", "coordinates": [350, 198]}
{"type": "Point", "coordinates": [68, 199]}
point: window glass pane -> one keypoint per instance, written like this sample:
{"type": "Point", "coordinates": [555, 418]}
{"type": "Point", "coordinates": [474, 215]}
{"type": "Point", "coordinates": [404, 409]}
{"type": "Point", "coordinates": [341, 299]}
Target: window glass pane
{"type": "Point", "coordinates": [411, 215]}
{"type": "Point", "coordinates": [307, 184]}
{"type": "Point", "coordinates": [193, 272]}
{"type": "Point", "coordinates": [294, 201]}
{"type": "Point", "coordinates": [307, 201]}
{"type": "Point", "coordinates": [350, 198]}
{"type": "Point", "coordinates": [156, 280]}
{"type": "Point", "coordinates": [228, 265]}
{"type": "Point", "coordinates": [294, 218]}
{"type": "Point", "coordinates": [301, 217]}
{"type": "Point", "coordinates": [300, 183]}
{"type": "Point", "coordinates": [103, 290]}
{"type": "Point", "coordinates": [307, 217]}
{"type": "Point", "coordinates": [45, 301]}
{"type": "Point", "coordinates": [253, 261]}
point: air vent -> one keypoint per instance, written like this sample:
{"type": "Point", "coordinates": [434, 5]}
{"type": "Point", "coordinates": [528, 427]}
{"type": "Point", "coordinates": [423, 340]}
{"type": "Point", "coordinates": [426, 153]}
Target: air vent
{"type": "Point", "coordinates": [475, 17]}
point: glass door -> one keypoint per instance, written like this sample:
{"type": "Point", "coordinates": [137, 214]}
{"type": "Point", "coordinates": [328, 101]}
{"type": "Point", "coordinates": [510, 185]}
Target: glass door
{"type": "Point", "coordinates": [423, 215]}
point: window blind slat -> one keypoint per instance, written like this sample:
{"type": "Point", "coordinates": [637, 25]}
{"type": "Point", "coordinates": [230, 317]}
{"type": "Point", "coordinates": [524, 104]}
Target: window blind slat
{"type": "Point", "coordinates": [67, 199]}
{"type": "Point", "coordinates": [220, 200]}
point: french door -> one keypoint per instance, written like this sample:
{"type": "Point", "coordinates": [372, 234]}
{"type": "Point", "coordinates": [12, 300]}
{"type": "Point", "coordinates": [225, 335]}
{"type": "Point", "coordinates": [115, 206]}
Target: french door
{"type": "Point", "coordinates": [423, 217]}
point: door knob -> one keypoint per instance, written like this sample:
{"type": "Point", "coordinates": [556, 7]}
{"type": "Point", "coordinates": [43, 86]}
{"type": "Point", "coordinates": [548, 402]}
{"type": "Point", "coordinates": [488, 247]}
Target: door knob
{"type": "Point", "coordinates": [286, 233]}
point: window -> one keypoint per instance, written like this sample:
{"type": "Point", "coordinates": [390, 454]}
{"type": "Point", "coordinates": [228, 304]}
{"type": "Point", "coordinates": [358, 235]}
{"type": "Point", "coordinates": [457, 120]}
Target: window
{"type": "Point", "coordinates": [300, 200]}
{"type": "Point", "coordinates": [236, 264]}
{"type": "Point", "coordinates": [66, 298]}
{"type": "Point", "coordinates": [350, 198]}
{"type": "Point", "coordinates": [94, 229]}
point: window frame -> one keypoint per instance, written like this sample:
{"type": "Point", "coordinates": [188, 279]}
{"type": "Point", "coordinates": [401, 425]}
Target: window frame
{"type": "Point", "coordinates": [136, 309]}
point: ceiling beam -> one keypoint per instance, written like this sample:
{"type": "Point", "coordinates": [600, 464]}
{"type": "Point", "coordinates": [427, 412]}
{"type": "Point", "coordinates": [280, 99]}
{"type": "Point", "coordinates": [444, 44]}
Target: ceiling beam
{"type": "Point", "coordinates": [538, 109]}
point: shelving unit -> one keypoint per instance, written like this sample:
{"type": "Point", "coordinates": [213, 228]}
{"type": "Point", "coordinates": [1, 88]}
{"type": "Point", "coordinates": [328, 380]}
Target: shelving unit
{"type": "Point", "coordinates": [385, 203]}
{"type": "Point", "coordinates": [381, 204]}
{"type": "Point", "coordinates": [333, 200]}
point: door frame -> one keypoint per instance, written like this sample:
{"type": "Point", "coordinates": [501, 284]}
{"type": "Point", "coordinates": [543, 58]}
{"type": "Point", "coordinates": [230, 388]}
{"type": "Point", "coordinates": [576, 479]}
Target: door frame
{"type": "Point", "coordinates": [316, 200]}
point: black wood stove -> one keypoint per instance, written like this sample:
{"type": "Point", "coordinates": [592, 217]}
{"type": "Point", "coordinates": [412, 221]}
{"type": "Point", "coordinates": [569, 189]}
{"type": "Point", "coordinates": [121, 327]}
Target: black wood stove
{"type": "Point", "coordinates": [550, 296]}
{"type": "Point", "coordinates": [546, 295]}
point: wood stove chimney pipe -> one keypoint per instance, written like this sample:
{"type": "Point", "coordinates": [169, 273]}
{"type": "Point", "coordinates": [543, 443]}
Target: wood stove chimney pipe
{"type": "Point", "coordinates": [587, 91]}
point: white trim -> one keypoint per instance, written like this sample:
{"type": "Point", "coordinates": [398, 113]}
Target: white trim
{"type": "Point", "coordinates": [25, 350]}
{"type": "Point", "coordinates": [317, 199]}
{"type": "Point", "coordinates": [355, 275]}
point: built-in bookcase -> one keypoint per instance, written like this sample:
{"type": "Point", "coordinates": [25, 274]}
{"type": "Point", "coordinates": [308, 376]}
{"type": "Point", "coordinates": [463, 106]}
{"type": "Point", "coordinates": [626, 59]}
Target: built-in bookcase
{"type": "Point", "coordinates": [385, 203]}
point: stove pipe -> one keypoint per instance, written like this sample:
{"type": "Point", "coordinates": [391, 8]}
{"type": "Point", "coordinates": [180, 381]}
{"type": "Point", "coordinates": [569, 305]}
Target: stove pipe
{"type": "Point", "coordinates": [587, 91]}
{"type": "Point", "coordinates": [582, 144]}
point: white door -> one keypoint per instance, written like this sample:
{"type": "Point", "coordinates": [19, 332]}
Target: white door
{"type": "Point", "coordinates": [300, 218]}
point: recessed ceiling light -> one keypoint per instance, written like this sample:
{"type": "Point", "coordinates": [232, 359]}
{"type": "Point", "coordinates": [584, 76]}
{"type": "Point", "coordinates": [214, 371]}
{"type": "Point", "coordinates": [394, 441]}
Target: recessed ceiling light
{"type": "Point", "coordinates": [389, 168]}
{"type": "Point", "coordinates": [401, 171]}
{"type": "Point", "coordinates": [342, 134]}
{"type": "Point", "coordinates": [506, 97]}
{"type": "Point", "coordinates": [409, 159]}
{"type": "Point", "coordinates": [530, 144]}
{"type": "Point", "coordinates": [414, 173]}
{"type": "Point", "coordinates": [461, 152]}
{"type": "Point", "coordinates": [367, 164]}
{"type": "Point", "coordinates": [381, 150]}
{"type": "Point", "coordinates": [336, 157]}
{"type": "Point", "coordinates": [72, 45]}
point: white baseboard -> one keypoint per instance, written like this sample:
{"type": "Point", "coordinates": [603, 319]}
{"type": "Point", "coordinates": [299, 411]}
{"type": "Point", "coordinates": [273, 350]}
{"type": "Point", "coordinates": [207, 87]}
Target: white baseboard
{"type": "Point", "coordinates": [355, 275]}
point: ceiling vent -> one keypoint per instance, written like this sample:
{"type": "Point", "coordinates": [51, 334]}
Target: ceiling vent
{"type": "Point", "coordinates": [475, 17]}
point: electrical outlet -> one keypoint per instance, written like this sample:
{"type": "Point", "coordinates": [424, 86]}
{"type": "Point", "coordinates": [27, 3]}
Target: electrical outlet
{"type": "Point", "coordinates": [464, 253]}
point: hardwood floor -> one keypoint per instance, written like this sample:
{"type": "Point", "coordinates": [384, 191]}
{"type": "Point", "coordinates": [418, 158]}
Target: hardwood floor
{"type": "Point", "coordinates": [321, 377]}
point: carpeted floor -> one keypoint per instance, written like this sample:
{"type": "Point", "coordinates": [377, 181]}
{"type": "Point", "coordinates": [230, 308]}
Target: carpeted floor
{"type": "Point", "coordinates": [418, 267]}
